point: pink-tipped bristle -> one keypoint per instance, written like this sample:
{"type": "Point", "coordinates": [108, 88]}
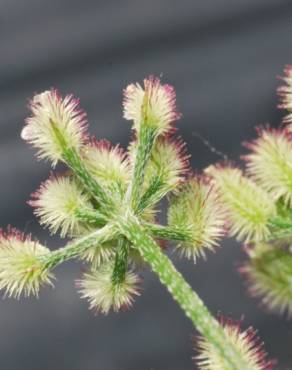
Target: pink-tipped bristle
{"type": "Point", "coordinates": [151, 83]}
{"type": "Point", "coordinates": [33, 202]}
{"type": "Point", "coordinates": [105, 145]}
{"type": "Point", "coordinates": [181, 150]}
{"type": "Point", "coordinates": [253, 145]}
{"type": "Point", "coordinates": [68, 101]}
{"type": "Point", "coordinates": [13, 233]}
{"type": "Point", "coordinates": [102, 144]}
{"type": "Point", "coordinates": [252, 338]}
{"type": "Point", "coordinates": [224, 164]}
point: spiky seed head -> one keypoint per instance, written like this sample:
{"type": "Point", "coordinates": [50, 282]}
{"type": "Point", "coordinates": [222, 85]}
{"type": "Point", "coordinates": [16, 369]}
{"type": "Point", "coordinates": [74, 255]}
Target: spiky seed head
{"type": "Point", "coordinates": [270, 163]}
{"type": "Point", "coordinates": [246, 342]}
{"type": "Point", "coordinates": [21, 268]}
{"type": "Point", "coordinates": [57, 203]}
{"type": "Point", "coordinates": [102, 294]}
{"type": "Point", "coordinates": [99, 254]}
{"type": "Point", "coordinates": [169, 162]}
{"type": "Point", "coordinates": [196, 210]}
{"type": "Point", "coordinates": [153, 105]}
{"type": "Point", "coordinates": [108, 164]}
{"type": "Point", "coordinates": [285, 94]}
{"type": "Point", "coordinates": [248, 207]}
{"type": "Point", "coordinates": [268, 274]}
{"type": "Point", "coordinates": [55, 124]}
{"type": "Point", "coordinates": [136, 260]}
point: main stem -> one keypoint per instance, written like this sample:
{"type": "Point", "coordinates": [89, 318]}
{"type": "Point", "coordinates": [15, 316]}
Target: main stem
{"type": "Point", "coordinates": [182, 292]}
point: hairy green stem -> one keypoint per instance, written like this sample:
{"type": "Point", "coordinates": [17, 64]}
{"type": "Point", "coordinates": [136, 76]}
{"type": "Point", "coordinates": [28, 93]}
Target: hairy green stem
{"type": "Point", "coordinates": [155, 192]}
{"type": "Point", "coordinates": [74, 161]}
{"type": "Point", "coordinates": [280, 235]}
{"type": "Point", "coordinates": [280, 228]}
{"type": "Point", "coordinates": [168, 232]}
{"type": "Point", "coordinates": [281, 223]}
{"type": "Point", "coordinates": [91, 217]}
{"type": "Point", "coordinates": [121, 261]}
{"type": "Point", "coordinates": [146, 140]}
{"type": "Point", "coordinates": [181, 291]}
{"type": "Point", "coordinates": [78, 246]}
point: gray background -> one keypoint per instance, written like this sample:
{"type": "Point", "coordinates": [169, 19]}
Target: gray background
{"type": "Point", "coordinates": [223, 58]}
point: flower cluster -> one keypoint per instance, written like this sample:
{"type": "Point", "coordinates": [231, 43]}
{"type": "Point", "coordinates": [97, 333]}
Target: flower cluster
{"type": "Point", "coordinates": [258, 204]}
{"type": "Point", "coordinates": [103, 178]}
{"type": "Point", "coordinates": [107, 200]}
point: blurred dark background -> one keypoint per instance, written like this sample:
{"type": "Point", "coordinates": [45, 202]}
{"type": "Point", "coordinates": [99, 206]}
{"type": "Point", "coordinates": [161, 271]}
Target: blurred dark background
{"type": "Point", "coordinates": [223, 58]}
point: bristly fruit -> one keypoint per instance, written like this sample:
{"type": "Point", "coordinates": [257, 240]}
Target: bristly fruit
{"type": "Point", "coordinates": [57, 203]}
{"type": "Point", "coordinates": [55, 125]}
{"type": "Point", "coordinates": [248, 206]}
{"type": "Point", "coordinates": [270, 163]}
{"type": "Point", "coordinates": [109, 165]}
{"type": "Point", "coordinates": [153, 105]}
{"type": "Point", "coordinates": [247, 343]}
{"type": "Point", "coordinates": [103, 294]}
{"type": "Point", "coordinates": [197, 211]}
{"type": "Point", "coordinates": [268, 273]}
{"type": "Point", "coordinates": [21, 268]}
{"type": "Point", "coordinates": [169, 162]}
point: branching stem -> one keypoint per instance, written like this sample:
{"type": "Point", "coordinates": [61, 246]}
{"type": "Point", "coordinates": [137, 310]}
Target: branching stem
{"type": "Point", "coordinates": [74, 161]}
{"type": "Point", "coordinates": [79, 246]}
{"type": "Point", "coordinates": [95, 218]}
{"type": "Point", "coordinates": [146, 138]}
{"type": "Point", "coordinates": [121, 261]}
